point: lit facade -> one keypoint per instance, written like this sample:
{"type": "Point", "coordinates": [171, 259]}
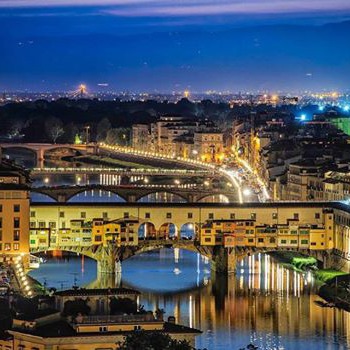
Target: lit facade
{"type": "Point", "coordinates": [14, 212]}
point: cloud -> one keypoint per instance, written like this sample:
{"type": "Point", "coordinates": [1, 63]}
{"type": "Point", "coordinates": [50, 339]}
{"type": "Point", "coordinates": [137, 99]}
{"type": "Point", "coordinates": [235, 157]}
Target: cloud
{"type": "Point", "coordinates": [168, 8]}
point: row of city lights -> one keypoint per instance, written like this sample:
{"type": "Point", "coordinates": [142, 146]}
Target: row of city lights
{"type": "Point", "coordinates": [22, 276]}
{"type": "Point", "coordinates": [228, 173]}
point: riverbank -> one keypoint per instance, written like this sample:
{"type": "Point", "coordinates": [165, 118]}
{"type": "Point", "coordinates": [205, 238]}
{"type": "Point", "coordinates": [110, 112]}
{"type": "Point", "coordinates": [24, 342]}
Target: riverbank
{"type": "Point", "coordinates": [335, 284]}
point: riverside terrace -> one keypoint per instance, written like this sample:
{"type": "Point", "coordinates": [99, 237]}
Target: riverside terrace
{"type": "Point", "coordinates": [317, 229]}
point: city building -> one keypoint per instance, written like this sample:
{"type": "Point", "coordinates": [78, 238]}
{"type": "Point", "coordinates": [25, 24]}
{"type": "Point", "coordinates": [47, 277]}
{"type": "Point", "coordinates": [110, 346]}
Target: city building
{"type": "Point", "coordinates": [48, 330]}
{"type": "Point", "coordinates": [96, 299]}
{"type": "Point", "coordinates": [14, 211]}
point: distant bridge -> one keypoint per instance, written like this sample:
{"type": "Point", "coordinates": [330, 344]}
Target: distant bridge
{"type": "Point", "coordinates": [39, 149]}
{"type": "Point", "coordinates": [133, 194]}
{"type": "Point", "coordinates": [127, 171]}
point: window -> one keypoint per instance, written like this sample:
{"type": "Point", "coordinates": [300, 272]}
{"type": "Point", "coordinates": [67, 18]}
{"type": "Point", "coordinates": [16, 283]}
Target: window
{"type": "Point", "coordinates": [0, 235]}
{"type": "Point", "coordinates": [32, 214]}
{"type": "Point", "coordinates": [317, 215]}
{"type": "Point", "coordinates": [98, 238]}
{"type": "Point", "coordinates": [137, 328]}
{"type": "Point", "coordinates": [260, 240]}
{"type": "Point", "coordinates": [147, 215]}
{"type": "Point", "coordinates": [126, 215]}
{"type": "Point", "coordinates": [272, 240]}
{"type": "Point", "coordinates": [0, 222]}
{"type": "Point", "coordinates": [293, 241]}
{"type": "Point", "coordinates": [313, 243]}
{"type": "Point", "coordinates": [283, 241]}
{"type": "Point", "coordinates": [41, 224]}
{"type": "Point", "coordinates": [207, 239]}
{"type": "Point", "coordinates": [251, 240]}
{"type": "Point", "coordinates": [83, 215]}
{"type": "Point", "coordinates": [168, 215]}
{"type": "Point", "coordinates": [232, 216]}
{"type": "Point", "coordinates": [304, 241]}
{"type": "Point", "coordinates": [253, 216]}
{"type": "Point", "coordinates": [274, 216]}
{"type": "Point", "coordinates": [61, 214]}
{"type": "Point", "coordinates": [296, 216]}
{"type": "Point", "coordinates": [7, 246]}
{"type": "Point", "coordinates": [0, 208]}
{"type": "Point", "coordinates": [105, 215]}
{"type": "Point", "coordinates": [103, 329]}
{"type": "Point", "coordinates": [16, 235]}
{"type": "Point", "coordinates": [16, 208]}
{"type": "Point", "coordinates": [16, 222]}
{"type": "Point", "coordinates": [189, 215]}
{"type": "Point", "coordinates": [52, 224]}
{"type": "Point", "coordinates": [15, 246]}
{"type": "Point", "coordinates": [211, 216]}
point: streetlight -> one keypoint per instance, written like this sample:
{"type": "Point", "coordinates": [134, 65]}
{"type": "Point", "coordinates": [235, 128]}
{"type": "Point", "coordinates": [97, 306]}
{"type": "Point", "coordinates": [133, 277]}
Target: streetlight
{"type": "Point", "coordinates": [247, 192]}
{"type": "Point", "coordinates": [87, 128]}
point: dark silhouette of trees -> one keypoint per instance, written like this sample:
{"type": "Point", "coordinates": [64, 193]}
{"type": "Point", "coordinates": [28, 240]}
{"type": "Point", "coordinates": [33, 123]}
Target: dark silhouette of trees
{"type": "Point", "coordinates": [73, 308]}
{"type": "Point", "coordinates": [54, 128]}
{"type": "Point", "coordinates": [122, 306]}
{"type": "Point", "coordinates": [103, 128]}
{"type": "Point", "coordinates": [153, 341]}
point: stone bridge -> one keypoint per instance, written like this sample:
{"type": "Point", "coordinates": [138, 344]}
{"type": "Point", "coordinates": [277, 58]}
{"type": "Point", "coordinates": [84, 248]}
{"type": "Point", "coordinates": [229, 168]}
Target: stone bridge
{"type": "Point", "coordinates": [223, 259]}
{"type": "Point", "coordinates": [39, 149]}
{"type": "Point", "coordinates": [132, 194]}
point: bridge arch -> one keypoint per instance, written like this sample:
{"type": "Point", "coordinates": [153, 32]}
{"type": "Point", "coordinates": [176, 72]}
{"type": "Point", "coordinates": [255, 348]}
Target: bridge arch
{"type": "Point", "coordinates": [146, 230]}
{"type": "Point", "coordinates": [213, 198]}
{"type": "Point", "coordinates": [162, 197]}
{"type": "Point", "coordinates": [189, 231]}
{"type": "Point", "coordinates": [74, 197]}
{"type": "Point", "coordinates": [41, 197]}
{"type": "Point", "coordinates": [168, 230]}
{"type": "Point", "coordinates": [88, 252]}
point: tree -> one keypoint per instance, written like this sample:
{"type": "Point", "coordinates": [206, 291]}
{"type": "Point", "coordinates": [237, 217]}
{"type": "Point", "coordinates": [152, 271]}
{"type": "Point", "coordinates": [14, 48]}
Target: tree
{"type": "Point", "coordinates": [153, 341]}
{"type": "Point", "coordinates": [102, 129]}
{"type": "Point", "coordinates": [119, 136]}
{"type": "Point", "coordinates": [54, 128]}
{"type": "Point", "coordinates": [122, 306]}
{"type": "Point", "coordinates": [75, 307]}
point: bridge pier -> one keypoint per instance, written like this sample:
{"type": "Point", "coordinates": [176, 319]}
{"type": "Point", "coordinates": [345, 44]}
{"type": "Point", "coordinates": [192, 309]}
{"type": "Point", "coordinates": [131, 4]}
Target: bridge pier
{"type": "Point", "coordinates": [108, 261]}
{"type": "Point", "coordinates": [224, 260]}
{"type": "Point", "coordinates": [40, 158]}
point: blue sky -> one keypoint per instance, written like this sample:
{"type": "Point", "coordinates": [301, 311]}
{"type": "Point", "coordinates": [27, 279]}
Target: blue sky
{"type": "Point", "coordinates": [184, 44]}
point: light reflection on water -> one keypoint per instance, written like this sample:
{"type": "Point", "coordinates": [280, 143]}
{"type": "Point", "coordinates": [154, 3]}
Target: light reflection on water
{"type": "Point", "coordinates": [265, 303]}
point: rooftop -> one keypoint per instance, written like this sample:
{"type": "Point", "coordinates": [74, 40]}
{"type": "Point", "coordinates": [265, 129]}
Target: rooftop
{"type": "Point", "coordinates": [90, 292]}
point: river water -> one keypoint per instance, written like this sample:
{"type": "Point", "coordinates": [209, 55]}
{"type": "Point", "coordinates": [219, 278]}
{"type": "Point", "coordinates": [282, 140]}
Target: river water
{"type": "Point", "coordinates": [265, 303]}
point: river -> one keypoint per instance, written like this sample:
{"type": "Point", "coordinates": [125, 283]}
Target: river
{"type": "Point", "coordinates": [265, 303]}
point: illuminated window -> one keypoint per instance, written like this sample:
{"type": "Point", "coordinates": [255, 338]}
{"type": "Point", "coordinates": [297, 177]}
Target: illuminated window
{"type": "Point", "coordinates": [7, 246]}
{"type": "Point", "coordinates": [253, 216]}
{"type": "Point", "coordinates": [16, 222]}
{"type": "Point", "coordinates": [15, 246]}
{"type": "Point", "coordinates": [16, 235]}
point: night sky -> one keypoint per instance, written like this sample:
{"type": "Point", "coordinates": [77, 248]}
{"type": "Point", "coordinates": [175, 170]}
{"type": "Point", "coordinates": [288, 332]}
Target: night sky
{"type": "Point", "coordinates": [166, 45]}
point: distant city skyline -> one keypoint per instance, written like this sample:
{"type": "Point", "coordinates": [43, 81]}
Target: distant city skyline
{"type": "Point", "coordinates": [162, 45]}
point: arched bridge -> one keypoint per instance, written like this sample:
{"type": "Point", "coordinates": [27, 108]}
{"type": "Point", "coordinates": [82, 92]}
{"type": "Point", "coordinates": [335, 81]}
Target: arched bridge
{"type": "Point", "coordinates": [223, 260]}
{"type": "Point", "coordinates": [132, 194]}
{"type": "Point", "coordinates": [41, 148]}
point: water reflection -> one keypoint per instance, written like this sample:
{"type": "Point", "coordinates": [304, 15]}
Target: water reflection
{"type": "Point", "coordinates": [265, 303]}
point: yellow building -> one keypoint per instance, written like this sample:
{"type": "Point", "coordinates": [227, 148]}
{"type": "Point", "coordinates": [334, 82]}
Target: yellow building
{"type": "Point", "coordinates": [209, 146]}
{"type": "Point", "coordinates": [122, 232]}
{"type": "Point", "coordinates": [14, 211]}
